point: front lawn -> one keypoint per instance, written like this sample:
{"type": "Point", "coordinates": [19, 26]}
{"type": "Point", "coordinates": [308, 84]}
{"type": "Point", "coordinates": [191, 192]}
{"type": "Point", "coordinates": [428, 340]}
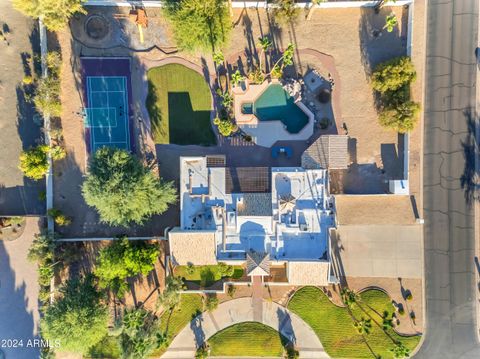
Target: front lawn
{"type": "Point", "coordinates": [205, 276]}
{"type": "Point", "coordinates": [247, 339]}
{"type": "Point", "coordinates": [334, 326]}
{"type": "Point", "coordinates": [179, 103]}
{"type": "Point", "coordinates": [172, 322]}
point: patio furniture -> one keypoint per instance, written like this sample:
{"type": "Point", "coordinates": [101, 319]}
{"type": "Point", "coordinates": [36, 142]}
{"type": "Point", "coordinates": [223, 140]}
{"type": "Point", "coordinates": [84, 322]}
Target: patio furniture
{"type": "Point", "coordinates": [277, 150]}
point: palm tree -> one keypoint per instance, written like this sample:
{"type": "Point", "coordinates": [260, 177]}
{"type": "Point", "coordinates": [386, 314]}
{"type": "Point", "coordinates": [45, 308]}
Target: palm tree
{"type": "Point", "coordinates": [286, 59]}
{"type": "Point", "coordinates": [400, 351]}
{"type": "Point", "coordinates": [237, 78]}
{"type": "Point", "coordinates": [218, 58]}
{"type": "Point", "coordinates": [285, 11]}
{"type": "Point", "coordinates": [265, 44]}
{"type": "Point", "coordinates": [382, 3]}
{"type": "Point", "coordinates": [314, 3]}
{"type": "Point", "coordinates": [349, 297]}
{"type": "Point", "coordinates": [387, 322]}
{"type": "Point", "coordinates": [363, 326]}
{"type": "Point", "coordinates": [390, 22]}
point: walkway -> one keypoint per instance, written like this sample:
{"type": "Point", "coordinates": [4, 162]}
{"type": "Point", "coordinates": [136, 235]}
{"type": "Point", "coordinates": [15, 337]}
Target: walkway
{"type": "Point", "coordinates": [241, 310]}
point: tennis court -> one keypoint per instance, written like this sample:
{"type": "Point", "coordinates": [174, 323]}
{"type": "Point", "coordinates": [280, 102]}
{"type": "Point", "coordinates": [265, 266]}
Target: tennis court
{"type": "Point", "coordinates": [107, 114]}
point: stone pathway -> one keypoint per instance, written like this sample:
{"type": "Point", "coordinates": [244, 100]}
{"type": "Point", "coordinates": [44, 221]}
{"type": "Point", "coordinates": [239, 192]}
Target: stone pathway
{"type": "Point", "coordinates": [257, 298]}
{"type": "Point", "coordinates": [241, 310]}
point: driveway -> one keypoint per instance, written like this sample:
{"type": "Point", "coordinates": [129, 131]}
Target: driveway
{"type": "Point", "coordinates": [242, 310]}
{"type": "Point", "coordinates": [18, 131]}
{"type": "Point", "coordinates": [19, 295]}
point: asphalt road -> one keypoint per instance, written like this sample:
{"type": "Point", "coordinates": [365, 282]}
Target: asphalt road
{"type": "Point", "coordinates": [18, 130]}
{"type": "Point", "coordinates": [448, 168]}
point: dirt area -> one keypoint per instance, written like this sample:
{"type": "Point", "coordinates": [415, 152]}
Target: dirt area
{"type": "Point", "coordinates": [142, 289]}
{"type": "Point", "coordinates": [20, 126]}
{"type": "Point", "coordinates": [375, 152]}
{"type": "Point", "coordinates": [397, 289]}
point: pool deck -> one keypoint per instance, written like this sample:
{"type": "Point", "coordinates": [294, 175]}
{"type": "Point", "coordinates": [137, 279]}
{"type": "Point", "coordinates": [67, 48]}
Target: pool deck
{"type": "Point", "coordinates": [266, 133]}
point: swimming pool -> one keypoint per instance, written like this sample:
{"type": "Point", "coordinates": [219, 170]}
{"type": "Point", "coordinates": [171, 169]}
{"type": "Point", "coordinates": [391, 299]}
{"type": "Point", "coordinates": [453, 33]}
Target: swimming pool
{"type": "Point", "coordinates": [275, 104]}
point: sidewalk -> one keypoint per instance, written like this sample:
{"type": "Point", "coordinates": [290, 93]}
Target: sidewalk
{"type": "Point", "coordinates": [241, 310]}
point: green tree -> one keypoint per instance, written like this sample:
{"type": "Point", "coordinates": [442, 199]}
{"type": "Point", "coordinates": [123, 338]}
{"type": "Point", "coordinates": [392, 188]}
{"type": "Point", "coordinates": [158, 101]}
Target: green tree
{"type": "Point", "coordinates": [47, 97]}
{"type": "Point", "coordinates": [34, 162]}
{"type": "Point", "coordinates": [390, 22]}
{"type": "Point", "coordinates": [393, 74]}
{"type": "Point", "coordinates": [401, 118]}
{"type": "Point", "coordinates": [171, 296]}
{"type": "Point", "coordinates": [199, 25]}
{"type": "Point", "coordinates": [123, 259]}
{"type": "Point", "coordinates": [55, 14]}
{"type": "Point", "coordinates": [78, 318]}
{"type": "Point", "coordinates": [123, 190]}
{"type": "Point", "coordinates": [285, 11]}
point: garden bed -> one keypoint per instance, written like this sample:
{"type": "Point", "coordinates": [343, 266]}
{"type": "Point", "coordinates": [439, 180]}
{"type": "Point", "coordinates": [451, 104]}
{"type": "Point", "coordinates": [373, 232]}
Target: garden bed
{"type": "Point", "coordinates": [206, 276]}
{"type": "Point", "coordinates": [179, 103]}
{"type": "Point", "coordinates": [334, 326]}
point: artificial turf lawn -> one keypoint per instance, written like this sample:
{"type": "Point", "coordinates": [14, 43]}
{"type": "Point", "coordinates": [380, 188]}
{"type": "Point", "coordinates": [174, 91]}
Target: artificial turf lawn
{"type": "Point", "coordinates": [206, 275]}
{"type": "Point", "coordinates": [247, 339]}
{"type": "Point", "coordinates": [334, 326]}
{"type": "Point", "coordinates": [179, 103]}
{"type": "Point", "coordinates": [174, 321]}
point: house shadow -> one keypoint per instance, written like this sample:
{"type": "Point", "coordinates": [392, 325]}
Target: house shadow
{"type": "Point", "coordinates": [17, 321]}
{"type": "Point", "coordinates": [199, 130]}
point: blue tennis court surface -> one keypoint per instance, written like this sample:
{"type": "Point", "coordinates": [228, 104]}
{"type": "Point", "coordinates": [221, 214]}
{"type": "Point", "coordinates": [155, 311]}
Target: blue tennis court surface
{"type": "Point", "coordinates": [107, 114]}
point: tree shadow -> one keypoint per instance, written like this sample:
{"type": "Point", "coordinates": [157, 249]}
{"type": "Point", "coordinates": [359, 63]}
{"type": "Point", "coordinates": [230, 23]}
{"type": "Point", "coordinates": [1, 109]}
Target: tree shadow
{"type": "Point", "coordinates": [470, 179]}
{"type": "Point", "coordinates": [17, 321]}
{"type": "Point", "coordinates": [376, 44]}
{"type": "Point", "coordinates": [197, 329]}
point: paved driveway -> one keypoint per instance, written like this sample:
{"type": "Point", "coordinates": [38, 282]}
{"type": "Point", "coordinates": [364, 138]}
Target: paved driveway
{"type": "Point", "coordinates": [242, 310]}
{"type": "Point", "coordinates": [18, 196]}
{"type": "Point", "coordinates": [18, 295]}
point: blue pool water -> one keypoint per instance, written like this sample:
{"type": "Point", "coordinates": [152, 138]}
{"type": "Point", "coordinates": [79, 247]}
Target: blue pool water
{"type": "Point", "coordinates": [275, 104]}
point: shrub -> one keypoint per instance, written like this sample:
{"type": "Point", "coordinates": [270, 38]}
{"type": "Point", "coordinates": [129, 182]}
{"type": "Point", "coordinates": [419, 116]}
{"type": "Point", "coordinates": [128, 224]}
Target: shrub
{"type": "Point", "coordinates": [57, 153]}
{"type": "Point", "coordinates": [393, 74]}
{"type": "Point", "coordinates": [27, 80]}
{"type": "Point", "coordinates": [401, 118]}
{"type": "Point", "coordinates": [211, 302]}
{"type": "Point", "coordinates": [190, 268]}
{"type": "Point", "coordinates": [34, 162]}
{"type": "Point", "coordinates": [409, 296]}
{"type": "Point", "coordinates": [59, 217]}
{"type": "Point", "coordinates": [124, 191]}
{"type": "Point", "coordinates": [225, 126]}
{"type": "Point", "coordinates": [225, 270]}
{"type": "Point", "coordinates": [47, 97]}
{"type": "Point", "coordinates": [231, 290]}
{"type": "Point", "coordinates": [256, 76]}
{"type": "Point", "coordinates": [54, 62]}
